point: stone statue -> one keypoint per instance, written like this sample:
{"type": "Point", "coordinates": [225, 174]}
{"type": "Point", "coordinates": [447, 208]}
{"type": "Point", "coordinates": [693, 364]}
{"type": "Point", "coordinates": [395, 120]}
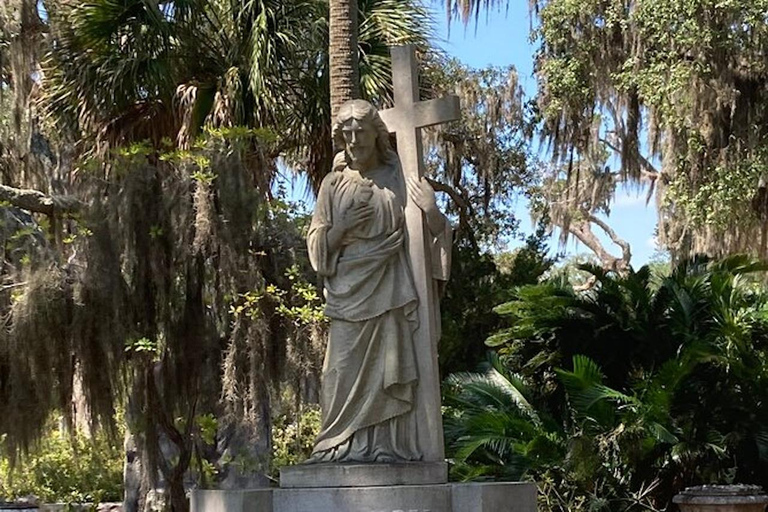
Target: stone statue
{"type": "Point", "coordinates": [383, 250]}
{"type": "Point", "coordinates": [357, 243]}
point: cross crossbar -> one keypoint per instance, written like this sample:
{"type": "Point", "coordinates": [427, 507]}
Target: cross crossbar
{"type": "Point", "coordinates": [422, 114]}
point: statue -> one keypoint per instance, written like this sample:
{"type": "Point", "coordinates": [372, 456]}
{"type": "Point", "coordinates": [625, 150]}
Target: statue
{"type": "Point", "coordinates": [357, 243]}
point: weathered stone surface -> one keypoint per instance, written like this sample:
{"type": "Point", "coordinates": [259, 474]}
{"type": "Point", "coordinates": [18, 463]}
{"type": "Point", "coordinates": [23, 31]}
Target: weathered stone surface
{"type": "Point", "coordinates": [406, 121]}
{"type": "Point", "coordinates": [363, 475]}
{"type": "Point", "coordinates": [722, 498]}
{"type": "Point", "coordinates": [495, 497]}
{"type": "Point", "coordinates": [405, 498]}
{"type": "Point", "coordinates": [255, 500]}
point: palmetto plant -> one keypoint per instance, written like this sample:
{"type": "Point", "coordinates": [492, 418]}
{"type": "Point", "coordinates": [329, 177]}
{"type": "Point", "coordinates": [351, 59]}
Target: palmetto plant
{"type": "Point", "coordinates": [650, 385]}
{"type": "Point", "coordinates": [492, 428]}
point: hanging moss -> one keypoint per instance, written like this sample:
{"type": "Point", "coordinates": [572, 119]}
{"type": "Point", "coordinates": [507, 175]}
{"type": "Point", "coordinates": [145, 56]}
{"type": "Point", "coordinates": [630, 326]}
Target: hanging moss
{"type": "Point", "coordinates": [678, 89]}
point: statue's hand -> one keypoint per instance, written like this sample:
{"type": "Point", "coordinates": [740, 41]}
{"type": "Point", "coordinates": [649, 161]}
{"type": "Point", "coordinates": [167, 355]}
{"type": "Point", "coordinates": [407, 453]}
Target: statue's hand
{"type": "Point", "coordinates": [421, 193]}
{"type": "Point", "coordinates": [359, 213]}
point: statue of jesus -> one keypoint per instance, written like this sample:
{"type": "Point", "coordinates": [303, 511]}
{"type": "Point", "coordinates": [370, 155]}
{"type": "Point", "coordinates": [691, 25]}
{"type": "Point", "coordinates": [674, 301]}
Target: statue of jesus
{"type": "Point", "coordinates": [357, 243]}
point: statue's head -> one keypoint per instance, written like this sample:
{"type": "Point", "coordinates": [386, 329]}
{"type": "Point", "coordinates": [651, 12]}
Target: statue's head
{"type": "Point", "coordinates": [362, 134]}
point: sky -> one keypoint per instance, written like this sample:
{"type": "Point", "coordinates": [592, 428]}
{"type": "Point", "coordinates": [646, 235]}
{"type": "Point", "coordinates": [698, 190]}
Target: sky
{"type": "Point", "coordinates": [501, 38]}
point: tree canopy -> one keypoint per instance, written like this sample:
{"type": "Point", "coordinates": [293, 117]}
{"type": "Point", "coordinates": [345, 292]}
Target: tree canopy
{"type": "Point", "coordinates": [670, 94]}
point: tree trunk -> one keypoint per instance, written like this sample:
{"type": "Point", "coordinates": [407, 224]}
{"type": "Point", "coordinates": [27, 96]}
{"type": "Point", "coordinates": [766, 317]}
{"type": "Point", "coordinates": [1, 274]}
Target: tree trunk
{"type": "Point", "coordinates": [343, 52]}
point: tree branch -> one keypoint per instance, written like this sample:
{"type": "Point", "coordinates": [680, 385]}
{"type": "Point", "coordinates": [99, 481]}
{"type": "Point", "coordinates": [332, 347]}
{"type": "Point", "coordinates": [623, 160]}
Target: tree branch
{"type": "Point", "coordinates": [455, 196]}
{"type": "Point", "coordinates": [463, 205]}
{"type": "Point", "coordinates": [626, 250]}
{"type": "Point", "coordinates": [36, 201]}
{"type": "Point", "coordinates": [647, 169]}
{"type": "Point", "coordinates": [582, 230]}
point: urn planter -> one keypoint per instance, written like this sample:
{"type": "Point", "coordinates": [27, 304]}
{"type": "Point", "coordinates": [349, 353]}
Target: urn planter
{"type": "Point", "coordinates": [722, 498]}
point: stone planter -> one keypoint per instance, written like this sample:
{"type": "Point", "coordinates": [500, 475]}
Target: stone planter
{"type": "Point", "coordinates": [722, 498]}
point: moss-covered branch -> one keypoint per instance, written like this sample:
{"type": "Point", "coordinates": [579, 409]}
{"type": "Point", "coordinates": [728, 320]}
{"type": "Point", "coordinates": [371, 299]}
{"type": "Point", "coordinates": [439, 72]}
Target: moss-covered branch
{"type": "Point", "coordinates": [38, 202]}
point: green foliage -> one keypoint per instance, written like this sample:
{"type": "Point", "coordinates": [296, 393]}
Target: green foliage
{"type": "Point", "coordinates": [632, 390]}
{"type": "Point", "coordinates": [300, 304]}
{"type": "Point", "coordinates": [63, 468]}
{"type": "Point", "coordinates": [688, 76]}
{"type": "Point", "coordinates": [208, 425]}
{"type": "Point", "coordinates": [181, 68]}
{"type": "Point", "coordinates": [293, 437]}
{"type": "Point", "coordinates": [718, 198]}
{"type": "Point", "coordinates": [479, 282]}
{"type": "Point", "coordinates": [675, 90]}
{"type": "Point", "coordinates": [143, 346]}
{"type": "Point", "coordinates": [491, 428]}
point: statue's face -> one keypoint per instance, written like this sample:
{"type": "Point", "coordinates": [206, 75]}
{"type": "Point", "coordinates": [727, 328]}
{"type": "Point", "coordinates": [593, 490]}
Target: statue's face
{"type": "Point", "coordinates": [360, 141]}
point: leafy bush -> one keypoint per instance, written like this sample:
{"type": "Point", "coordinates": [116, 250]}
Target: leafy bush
{"type": "Point", "coordinates": [619, 397]}
{"type": "Point", "coordinates": [479, 281]}
{"type": "Point", "coordinates": [64, 468]}
{"type": "Point", "coordinates": [293, 437]}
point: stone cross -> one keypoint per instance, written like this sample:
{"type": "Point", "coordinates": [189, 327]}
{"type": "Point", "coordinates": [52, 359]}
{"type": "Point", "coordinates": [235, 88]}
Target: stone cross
{"type": "Point", "coordinates": [406, 120]}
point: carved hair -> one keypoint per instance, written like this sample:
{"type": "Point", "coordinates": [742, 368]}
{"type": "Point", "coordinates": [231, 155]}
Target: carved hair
{"type": "Point", "coordinates": [363, 112]}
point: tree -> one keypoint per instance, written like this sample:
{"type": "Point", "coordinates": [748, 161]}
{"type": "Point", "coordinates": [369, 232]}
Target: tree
{"type": "Point", "coordinates": [576, 205]}
{"type": "Point", "coordinates": [675, 91]}
{"type": "Point", "coordinates": [254, 65]}
{"type": "Point", "coordinates": [480, 162]}
{"type": "Point", "coordinates": [687, 76]}
{"type": "Point", "coordinates": [343, 52]}
{"type": "Point", "coordinates": [479, 167]}
{"type": "Point", "coordinates": [480, 281]}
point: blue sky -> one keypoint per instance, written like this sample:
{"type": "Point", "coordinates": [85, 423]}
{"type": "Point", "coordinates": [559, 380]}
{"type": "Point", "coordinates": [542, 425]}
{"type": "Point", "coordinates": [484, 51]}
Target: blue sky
{"type": "Point", "coordinates": [501, 38]}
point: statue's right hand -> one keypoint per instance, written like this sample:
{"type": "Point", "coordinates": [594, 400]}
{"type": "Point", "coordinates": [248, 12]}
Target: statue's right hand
{"type": "Point", "coordinates": [357, 214]}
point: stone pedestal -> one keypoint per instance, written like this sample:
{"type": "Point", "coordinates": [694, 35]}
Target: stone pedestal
{"type": "Point", "coordinates": [473, 497]}
{"type": "Point", "coordinates": [363, 475]}
{"type": "Point", "coordinates": [251, 500]}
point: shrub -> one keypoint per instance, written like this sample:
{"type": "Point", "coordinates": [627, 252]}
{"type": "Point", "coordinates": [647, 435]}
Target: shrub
{"type": "Point", "coordinates": [619, 397]}
{"type": "Point", "coordinates": [293, 437]}
{"type": "Point", "coordinates": [64, 468]}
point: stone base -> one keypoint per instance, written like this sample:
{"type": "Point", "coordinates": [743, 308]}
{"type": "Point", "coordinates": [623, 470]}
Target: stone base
{"type": "Point", "coordinates": [256, 500]}
{"type": "Point", "coordinates": [475, 497]}
{"type": "Point", "coordinates": [363, 475]}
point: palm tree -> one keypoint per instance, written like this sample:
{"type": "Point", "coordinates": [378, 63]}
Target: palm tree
{"type": "Point", "coordinates": [127, 71]}
{"type": "Point", "coordinates": [653, 379]}
{"type": "Point", "coordinates": [342, 51]}
{"type": "Point", "coordinates": [468, 9]}
{"type": "Point", "coordinates": [492, 426]}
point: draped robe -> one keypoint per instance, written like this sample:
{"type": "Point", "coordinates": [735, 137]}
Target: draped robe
{"type": "Point", "coordinates": [370, 370]}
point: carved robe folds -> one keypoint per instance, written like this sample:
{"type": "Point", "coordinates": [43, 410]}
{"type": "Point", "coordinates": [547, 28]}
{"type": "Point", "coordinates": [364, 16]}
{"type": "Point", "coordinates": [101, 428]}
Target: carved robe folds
{"type": "Point", "coordinates": [370, 370]}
